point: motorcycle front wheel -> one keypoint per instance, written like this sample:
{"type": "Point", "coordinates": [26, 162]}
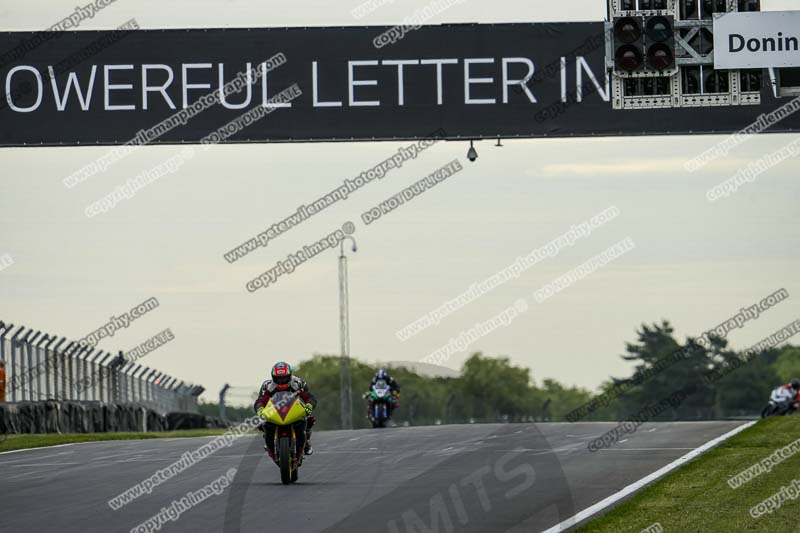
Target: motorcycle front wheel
{"type": "Point", "coordinates": [285, 459]}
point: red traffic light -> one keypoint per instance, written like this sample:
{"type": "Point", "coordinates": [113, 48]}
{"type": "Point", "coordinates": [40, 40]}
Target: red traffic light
{"type": "Point", "coordinates": [660, 57]}
{"type": "Point", "coordinates": [628, 58]}
{"type": "Point", "coordinates": [627, 30]}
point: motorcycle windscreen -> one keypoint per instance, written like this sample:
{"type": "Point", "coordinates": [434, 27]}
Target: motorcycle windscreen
{"type": "Point", "coordinates": [284, 408]}
{"type": "Point", "coordinates": [380, 389]}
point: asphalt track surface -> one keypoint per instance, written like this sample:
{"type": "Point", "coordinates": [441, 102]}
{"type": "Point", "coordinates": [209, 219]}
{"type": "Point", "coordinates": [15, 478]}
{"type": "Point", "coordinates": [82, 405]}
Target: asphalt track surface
{"type": "Point", "coordinates": [484, 478]}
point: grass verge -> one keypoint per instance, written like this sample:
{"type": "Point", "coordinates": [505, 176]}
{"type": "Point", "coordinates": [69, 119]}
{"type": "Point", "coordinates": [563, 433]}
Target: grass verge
{"type": "Point", "coordinates": [697, 497]}
{"type": "Point", "coordinates": [28, 440]}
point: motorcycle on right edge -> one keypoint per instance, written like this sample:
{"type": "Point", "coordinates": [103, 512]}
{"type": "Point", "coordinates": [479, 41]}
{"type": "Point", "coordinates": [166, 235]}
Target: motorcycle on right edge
{"type": "Point", "coordinates": [380, 402]}
{"type": "Point", "coordinates": [779, 404]}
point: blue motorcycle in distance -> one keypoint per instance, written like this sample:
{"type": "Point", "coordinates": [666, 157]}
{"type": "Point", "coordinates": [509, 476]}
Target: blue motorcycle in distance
{"type": "Point", "coordinates": [381, 402]}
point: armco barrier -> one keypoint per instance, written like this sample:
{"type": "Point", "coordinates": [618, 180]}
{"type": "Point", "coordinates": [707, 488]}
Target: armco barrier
{"type": "Point", "coordinates": [94, 417]}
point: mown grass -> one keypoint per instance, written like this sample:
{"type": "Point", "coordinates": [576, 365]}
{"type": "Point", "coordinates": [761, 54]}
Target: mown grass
{"type": "Point", "coordinates": [698, 498]}
{"type": "Point", "coordinates": [27, 440]}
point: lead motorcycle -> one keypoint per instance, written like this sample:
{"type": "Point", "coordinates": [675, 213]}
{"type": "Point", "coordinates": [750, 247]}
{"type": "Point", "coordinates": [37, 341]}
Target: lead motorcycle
{"type": "Point", "coordinates": [285, 419]}
{"type": "Point", "coordinates": [381, 400]}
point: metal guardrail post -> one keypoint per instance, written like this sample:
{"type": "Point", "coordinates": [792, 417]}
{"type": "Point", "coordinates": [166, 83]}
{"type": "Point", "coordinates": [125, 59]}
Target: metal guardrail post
{"type": "Point", "coordinates": [3, 330]}
{"type": "Point", "coordinates": [132, 376]}
{"type": "Point", "coordinates": [196, 391]}
{"type": "Point", "coordinates": [131, 372]}
{"type": "Point", "coordinates": [71, 370]}
{"type": "Point", "coordinates": [115, 386]}
{"type": "Point", "coordinates": [41, 365]}
{"type": "Point", "coordinates": [123, 384]}
{"type": "Point", "coordinates": [56, 357]}
{"type": "Point", "coordinates": [162, 386]}
{"type": "Point", "coordinates": [173, 395]}
{"type": "Point", "coordinates": [16, 370]}
{"type": "Point", "coordinates": [151, 388]}
{"type": "Point", "coordinates": [80, 370]}
{"type": "Point", "coordinates": [87, 376]}
{"type": "Point", "coordinates": [47, 364]}
{"type": "Point", "coordinates": [64, 370]}
{"type": "Point", "coordinates": [167, 394]}
{"type": "Point", "coordinates": [222, 393]}
{"type": "Point", "coordinates": [140, 371]}
{"type": "Point", "coordinates": [31, 368]}
{"type": "Point", "coordinates": [154, 389]}
{"type": "Point", "coordinates": [97, 372]}
{"type": "Point", "coordinates": [102, 379]}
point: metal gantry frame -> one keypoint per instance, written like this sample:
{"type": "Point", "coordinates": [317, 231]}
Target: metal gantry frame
{"type": "Point", "coordinates": [686, 57]}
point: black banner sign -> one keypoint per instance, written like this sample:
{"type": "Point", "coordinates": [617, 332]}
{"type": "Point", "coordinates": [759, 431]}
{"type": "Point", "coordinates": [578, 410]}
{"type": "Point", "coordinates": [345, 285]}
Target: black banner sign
{"type": "Point", "coordinates": [313, 84]}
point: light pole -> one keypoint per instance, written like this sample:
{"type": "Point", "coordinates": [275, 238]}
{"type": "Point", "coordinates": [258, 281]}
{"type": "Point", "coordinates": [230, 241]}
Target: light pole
{"type": "Point", "coordinates": [345, 378]}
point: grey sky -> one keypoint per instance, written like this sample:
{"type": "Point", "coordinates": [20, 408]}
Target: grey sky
{"type": "Point", "coordinates": [695, 263]}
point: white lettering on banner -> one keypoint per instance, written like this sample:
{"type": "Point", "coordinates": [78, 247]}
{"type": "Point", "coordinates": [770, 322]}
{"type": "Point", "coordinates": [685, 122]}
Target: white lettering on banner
{"type": "Point", "coordinates": [364, 83]}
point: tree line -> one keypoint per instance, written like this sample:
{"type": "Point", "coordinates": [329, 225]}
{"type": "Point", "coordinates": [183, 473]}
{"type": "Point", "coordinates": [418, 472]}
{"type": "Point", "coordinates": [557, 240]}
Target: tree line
{"type": "Point", "coordinates": [492, 389]}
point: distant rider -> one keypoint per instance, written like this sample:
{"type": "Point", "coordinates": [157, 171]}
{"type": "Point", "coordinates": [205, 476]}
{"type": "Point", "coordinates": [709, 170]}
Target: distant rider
{"type": "Point", "coordinates": [284, 380]}
{"type": "Point", "coordinates": [394, 387]}
{"type": "Point", "coordinates": [787, 395]}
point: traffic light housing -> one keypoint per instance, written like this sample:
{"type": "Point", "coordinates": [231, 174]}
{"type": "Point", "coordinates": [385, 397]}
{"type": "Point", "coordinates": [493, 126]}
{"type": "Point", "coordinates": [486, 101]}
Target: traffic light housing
{"type": "Point", "coordinates": [659, 35]}
{"type": "Point", "coordinates": [628, 43]}
{"type": "Point", "coordinates": [659, 54]}
{"type": "Point", "coordinates": [644, 44]}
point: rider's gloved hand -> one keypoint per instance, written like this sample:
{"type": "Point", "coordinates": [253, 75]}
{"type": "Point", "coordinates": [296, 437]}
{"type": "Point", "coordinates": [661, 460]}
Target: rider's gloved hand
{"type": "Point", "coordinates": [261, 412]}
{"type": "Point", "coordinates": [309, 408]}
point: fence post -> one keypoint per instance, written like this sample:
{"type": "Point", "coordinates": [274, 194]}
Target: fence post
{"type": "Point", "coordinates": [116, 365]}
{"type": "Point", "coordinates": [134, 369]}
{"type": "Point", "coordinates": [162, 388]}
{"type": "Point", "coordinates": [5, 328]}
{"type": "Point", "coordinates": [132, 378]}
{"type": "Point", "coordinates": [47, 365]}
{"type": "Point", "coordinates": [31, 368]}
{"type": "Point", "coordinates": [102, 375]}
{"type": "Point", "coordinates": [151, 388]}
{"type": "Point", "coordinates": [167, 388]}
{"type": "Point", "coordinates": [70, 366]}
{"type": "Point", "coordinates": [80, 371]}
{"type": "Point", "coordinates": [55, 367]}
{"type": "Point", "coordinates": [145, 386]}
{"type": "Point", "coordinates": [71, 369]}
{"type": "Point", "coordinates": [82, 374]}
{"type": "Point", "coordinates": [222, 393]}
{"type": "Point", "coordinates": [3, 331]}
{"type": "Point", "coordinates": [196, 391]}
{"type": "Point", "coordinates": [174, 389]}
{"type": "Point", "coordinates": [141, 371]}
{"type": "Point", "coordinates": [16, 370]}
{"type": "Point", "coordinates": [96, 375]}
{"type": "Point", "coordinates": [40, 349]}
